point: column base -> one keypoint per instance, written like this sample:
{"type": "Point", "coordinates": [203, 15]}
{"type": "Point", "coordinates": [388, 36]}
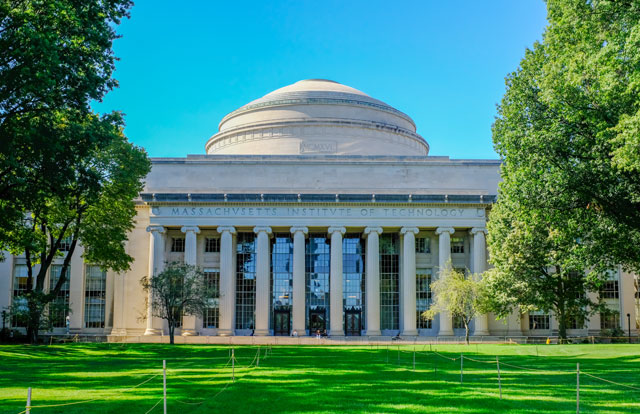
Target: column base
{"type": "Point", "coordinates": [336, 332]}
{"type": "Point", "coordinates": [481, 333]}
{"type": "Point", "coordinates": [118, 332]}
{"type": "Point", "coordinates": [152, 331]}
{"type": "Point", "coordinates": [261, 332]}
{"type": "Point", "coordinates": [225, 332]}
{"type": "Point", "coordinates": [409, 333]}
{"type": "Point", "coordinates": [445, 333]}
{"type": "Point", "coordinates": [189, 332]}
{"type": "Point", "coordinates": [373, 333]}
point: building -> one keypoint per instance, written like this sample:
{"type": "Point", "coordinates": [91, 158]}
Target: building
{"type": "Point", "coordinates": [315, 207]}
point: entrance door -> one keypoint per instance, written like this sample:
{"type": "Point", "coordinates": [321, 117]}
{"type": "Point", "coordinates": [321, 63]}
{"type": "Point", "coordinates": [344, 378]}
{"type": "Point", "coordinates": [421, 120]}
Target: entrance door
{"type": "Point", "coordinates": [281, 322]}
{"type": "Point", "coordinates": [352, 322]}
{"type": "Point", "coordinates": [317, 321]}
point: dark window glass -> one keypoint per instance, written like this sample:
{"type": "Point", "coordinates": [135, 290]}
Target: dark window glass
{"type": "Point", "coordinates": [245, 281]}
{"type": "Point", "coordinates": [389, 282]}
{"type": "Point", "coordinates": [281, 275]}
{"type": "Point", "coordinates": [212, 245]}
{"type": "Point", "coordinates": [423, 245]}
{"type": "Point", "coordinates": [212, 312]}
{"type": "Point", "coordinates": [609, 290]}
{"type": "Point", "coordinates": [610, 320]}
{"type": "Point", "coordinates": [317, 272]}
{"type": "Point", "coordinates": [457, 245]}
{"type": "Point", "coordinates": [423, 297]}
{"type": "Point", "coordinates": [60, 305]}
{"type": "Point", "coordinates": [94, 297]}
{"type": "Point", "coordinates": [177, 244]}
{"type": "Point", "coordinates": [353, 278]}
{"type": "Point", "coordinates": [539, 321]}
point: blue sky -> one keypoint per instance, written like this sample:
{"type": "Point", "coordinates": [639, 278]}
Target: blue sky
{"type": "Point", "coordinates": [184, 65]}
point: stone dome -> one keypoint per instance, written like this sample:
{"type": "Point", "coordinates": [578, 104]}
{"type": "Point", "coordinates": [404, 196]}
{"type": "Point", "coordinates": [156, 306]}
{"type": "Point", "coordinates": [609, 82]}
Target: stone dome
{"type": "Point", "coordinates": [317, 116]}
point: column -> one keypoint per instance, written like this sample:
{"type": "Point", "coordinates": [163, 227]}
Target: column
{"type": "Point", "coordinates": [77, 282]}
{"type": "Point", "coordinates": [263, 294]}
{"type": "Point", "coordinates": [444, 256]}
{"type": "Point", "coordinates": [298, 316]}
{"type": "Point", "coordinates": [190, 258]}
{"type": "Point", "coordinates": [372, 280]}
{"type": "Point", "coordinates": [335, 282]}
{"type": "Point", "coordinates": [409, 281]}
{"type": "Point", "coordinates": [227, 282]}
{"type": "Point", "coordinates": [156, 265]}
{"type": "Point", "coordinates": [479, 266]}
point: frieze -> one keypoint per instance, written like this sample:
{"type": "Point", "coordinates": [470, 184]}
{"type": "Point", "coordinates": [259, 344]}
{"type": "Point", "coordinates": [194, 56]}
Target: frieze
{"type": "Point", "coordinates": [346, 212]}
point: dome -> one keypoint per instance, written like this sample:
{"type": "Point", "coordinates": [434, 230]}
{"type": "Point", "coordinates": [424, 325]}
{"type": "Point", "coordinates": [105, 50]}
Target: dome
{"type": "Point", "coordinates": [317, 116]}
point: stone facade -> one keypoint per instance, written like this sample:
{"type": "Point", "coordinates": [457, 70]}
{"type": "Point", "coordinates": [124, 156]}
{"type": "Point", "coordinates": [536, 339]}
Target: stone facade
{"type": "Point", "coordinates": [316, 207]}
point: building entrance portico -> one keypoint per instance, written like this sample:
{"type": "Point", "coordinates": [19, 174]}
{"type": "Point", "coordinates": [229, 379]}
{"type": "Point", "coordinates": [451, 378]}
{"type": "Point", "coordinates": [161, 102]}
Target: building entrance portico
{"type": "Point", "coordinates": [349, 269]}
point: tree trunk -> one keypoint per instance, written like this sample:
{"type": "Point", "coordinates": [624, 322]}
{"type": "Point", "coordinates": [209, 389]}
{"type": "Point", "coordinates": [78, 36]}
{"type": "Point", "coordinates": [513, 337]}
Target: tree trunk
{"type": "Point", "coordinates": [562, 324]}
{"type": "Point", "coordinates": [466, 332]}
{"type": "Point", "coordinates": [33, 322]}
{"type": "Point", "coordinates": [171, 330]}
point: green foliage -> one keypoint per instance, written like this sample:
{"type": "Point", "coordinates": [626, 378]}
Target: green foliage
{"type": "Point", "coordinates": [65, 172]}
{"type": "Point", "coordinates": [180, 289]}
{"type": "Point", "coordinates": [566, 130]}
{"type": "Point", "coordinates": [458, 295]}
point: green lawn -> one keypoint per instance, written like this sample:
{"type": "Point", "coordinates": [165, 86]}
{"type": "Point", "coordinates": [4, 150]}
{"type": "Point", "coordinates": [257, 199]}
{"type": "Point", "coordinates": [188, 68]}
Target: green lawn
{"type": "Point", "coordinates": [318, 379]}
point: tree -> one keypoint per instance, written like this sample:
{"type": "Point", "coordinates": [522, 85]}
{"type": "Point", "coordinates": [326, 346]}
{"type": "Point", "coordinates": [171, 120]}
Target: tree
{"type": "Point", "coordinates": [178, 290]}
{"type": "Point", "coordinates": [461, 297]}
{"type": "Point", "coordinates": [95, 209]}
{"type": "Point", "coordinates": [55, 57]}
{"type": "Point", "coordinates": [569, 203]}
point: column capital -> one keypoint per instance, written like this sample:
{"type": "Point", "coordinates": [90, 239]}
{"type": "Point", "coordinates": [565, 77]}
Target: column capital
{"type": "Point", "coordinates": [304, 230]}
{"type": "Point", "coordinates": [369, 230]}
{"type": "Point", "coordinates": [341, 230]}
{"type": "Point", "coordinates": [226, 229]}
{"type": "Point", "coordinates": [476, 230]}
{"type": "Point", "coordinates": [187, 229]}
{"type": "Point", "coordinates": [260, 229]}
{"type": "Point", "coordinates": [406, 230]}
{"type": "Point", "coordinates": [441, 230]}
{"type": "Point", "coordinates": [156, 229]}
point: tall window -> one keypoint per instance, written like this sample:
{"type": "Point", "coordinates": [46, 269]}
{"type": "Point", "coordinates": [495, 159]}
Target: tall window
{"type": "Point", "coordinates": [177, 244]}
{"type": "Point", "coordinates": [212, 245]}
{"type": "Point", "coordinates": [576, 322]}
{"type": "Point", "coordinates": [94, 297]}
{"type": "Point", "coordinates": [609, 290]}
{"type": "Point", "coordinates": [353, 280]}
{"type": "Point", "coordinates": [539, 320]}
{"type": "Point", "coordinates": [65, 244]}
{"type": "Point", "coordinates": [60, 306]}
{"type": "Point", "coordinates": [281, 273]}
{"type": "Point", "coordinates": [457, 245]}
{"type": "Point", "coordinates": [610, 320]}
{"type": "Point", "coordinates": [423, 245]}
{"type": "Point", "coordinates": [317, 270]}
{"type": "Point", "coordinates": [212, 312]}
{"type": "Point", "coordinates": [20, 284]}
{"type": "Point", "coordinates": [458, 323]}
{"type": "Point", "coordinates": [245, 281]}
{"type": "Point", "coordinates": [423, 297]}
{"type": "Point", "coordinates": [389, 282]}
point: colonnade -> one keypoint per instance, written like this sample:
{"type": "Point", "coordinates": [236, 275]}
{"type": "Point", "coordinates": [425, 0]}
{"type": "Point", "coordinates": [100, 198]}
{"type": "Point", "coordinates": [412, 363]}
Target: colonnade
{"type": "Point", "coordinates": [263, 295]}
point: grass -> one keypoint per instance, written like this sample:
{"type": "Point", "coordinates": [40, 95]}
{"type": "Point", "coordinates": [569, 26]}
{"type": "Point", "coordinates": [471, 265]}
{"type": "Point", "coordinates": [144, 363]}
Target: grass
{"type": "Point", "coordinates": [318, 379]}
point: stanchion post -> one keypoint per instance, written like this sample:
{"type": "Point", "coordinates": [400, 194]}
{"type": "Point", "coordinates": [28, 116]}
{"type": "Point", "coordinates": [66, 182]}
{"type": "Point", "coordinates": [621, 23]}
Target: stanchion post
{"type": "Point", "coordinates": [258, 362]}
{"type": "Point", "coordinates": [28, 407]}
{"type": "Point", "coordinates": [499, 380]}
{"type": "Point", "coordinates": [461, 366]}
{"type": "Point", "coordinates": [233, 365]}
{"type": "Point", "coordinates": [164, 384]}
{"type": "Point", "coordinates": [435, 367]}
{"type": "Point", "coordinates": [387, 354]}
{"type": "Point", "coordinates": [578, 388]}
{"type": "Point", "coordinates": [414, 359]}
{"type": "Point", "coordinates": [398, 354]}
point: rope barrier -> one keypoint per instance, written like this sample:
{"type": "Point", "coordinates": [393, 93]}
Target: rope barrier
{"type": "Point", "coordinates": [155, 405]}
{"type": "Point", "coordinates": [609, 381]}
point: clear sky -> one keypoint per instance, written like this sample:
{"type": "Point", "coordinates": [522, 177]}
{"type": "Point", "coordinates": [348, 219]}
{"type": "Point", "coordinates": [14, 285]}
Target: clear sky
{"type": "Point", "coordinates": [184, 65]}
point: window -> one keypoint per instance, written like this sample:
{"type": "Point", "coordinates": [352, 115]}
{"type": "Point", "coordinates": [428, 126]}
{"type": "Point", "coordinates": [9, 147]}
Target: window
{"type": "Point", "coordinates": [609, 290]}
{"type": "Point", "coordinates": [458, 323]}
{"type": "Point", "coordinates": [353, 279]}
{"type": "Point", "coordinates": [423, 297]}
{"type": "Point", "coordinates": [94, 297]}
{"type": "Point", "coordinates": [212, 312]}
{"type": "Point", "coordinates": [245, 281]}
{"type": "Point", "coordinates": [457, 245]}
{"type": "Point", "coordinates": [177, 244]}
{"type": "Point", "coordinates": [576, 322]}
{"type": "Point", "coordinates": [539, 321]}
{"type": "Point", "coordinates": [59, 307]}
{"type": "Point", "coordinates": [423, 245]}
{"type": "Point", "coordinates": [389, 282]}
{"type": "Point", "coordinates": [20, 284]}
{"type": "Point", "coordinates": [317, 269]}
{"type": "Point", "coordinates": [281, 276]}
{"type": "Point", "coordinates": [212, 245]}
{"type": "Point", "coordinates": [609, 320]}
{"type": "Point", "coordinates": [65, 244]}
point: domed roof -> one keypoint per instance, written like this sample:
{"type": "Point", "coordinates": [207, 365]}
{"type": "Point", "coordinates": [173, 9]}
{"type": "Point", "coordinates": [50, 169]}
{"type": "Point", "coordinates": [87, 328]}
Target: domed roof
{"type": "Point", "coordinates": [330, 118]}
